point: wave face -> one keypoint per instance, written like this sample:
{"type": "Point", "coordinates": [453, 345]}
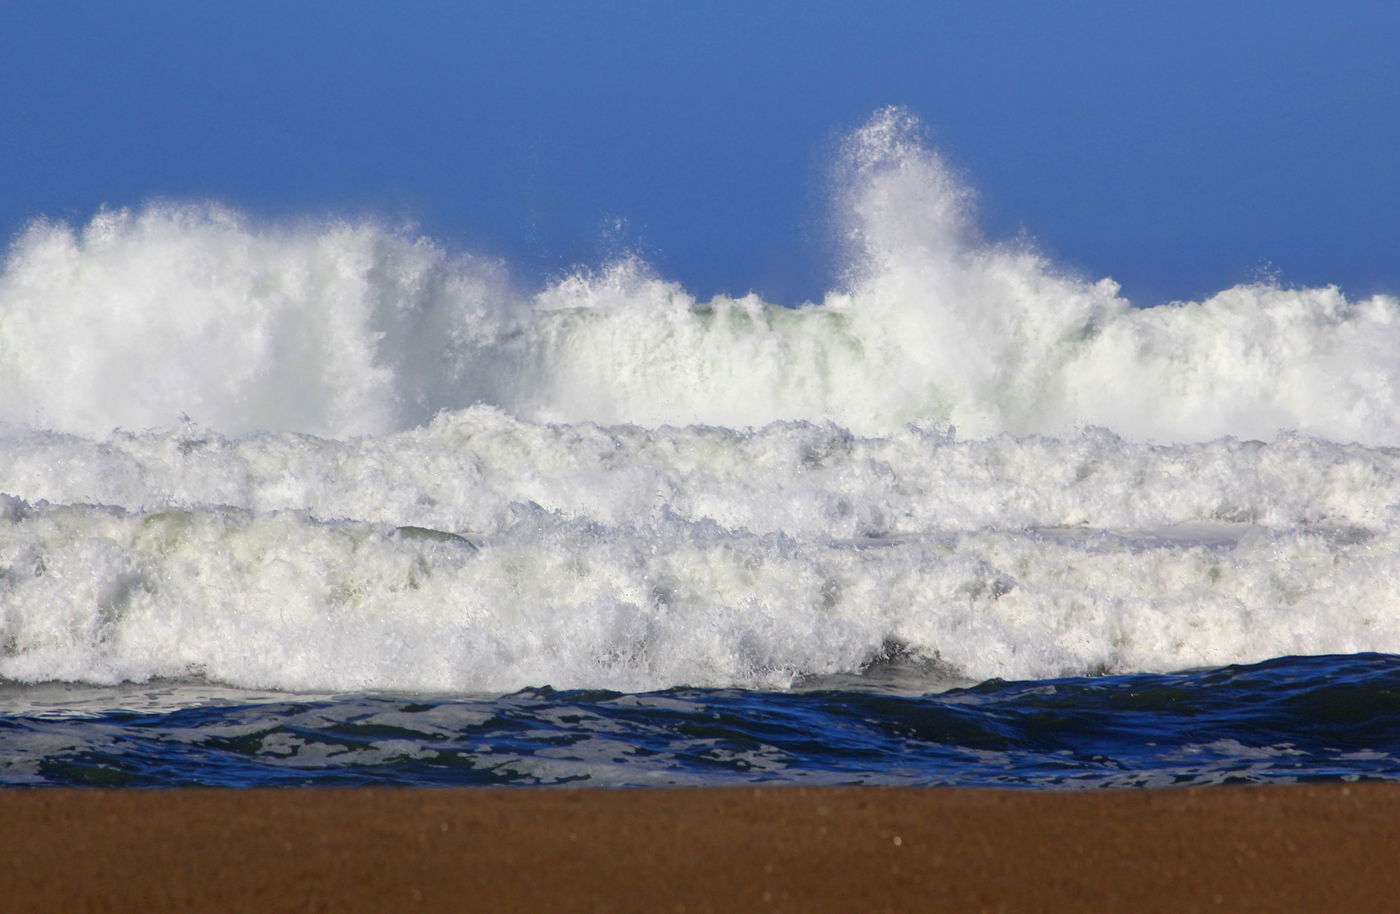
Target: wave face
{"type": "Point", "coordinates": [356, 461]}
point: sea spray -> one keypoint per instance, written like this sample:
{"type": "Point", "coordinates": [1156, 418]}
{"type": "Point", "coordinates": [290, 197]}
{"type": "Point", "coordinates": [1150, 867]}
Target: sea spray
{"type": "Point", "coordinates": [348, 329]}
{"type": "Point", "coordinates": [345, 458]}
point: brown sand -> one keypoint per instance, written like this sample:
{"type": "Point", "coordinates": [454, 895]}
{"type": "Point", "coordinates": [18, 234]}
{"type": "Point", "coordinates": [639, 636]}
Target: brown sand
{"type": "Point", "coordinates": [1306, 848]}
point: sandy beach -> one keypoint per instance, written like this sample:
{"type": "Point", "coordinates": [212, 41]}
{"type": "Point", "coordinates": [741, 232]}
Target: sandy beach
{"type": "Point", "coordinates": [1296, 848]}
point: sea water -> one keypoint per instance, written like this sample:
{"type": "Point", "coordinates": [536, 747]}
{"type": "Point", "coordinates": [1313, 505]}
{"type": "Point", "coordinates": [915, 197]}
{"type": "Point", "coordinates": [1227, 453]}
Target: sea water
{"type": "Point", "coordinates": [328, 503]}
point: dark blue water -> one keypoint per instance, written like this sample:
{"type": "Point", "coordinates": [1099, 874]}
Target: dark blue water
{"type": "Point", "coordinates": [1291, 719]}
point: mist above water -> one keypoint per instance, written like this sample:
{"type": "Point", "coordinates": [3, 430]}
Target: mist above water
{"type": "Point", "coordinates": [353, 460]}
{"type": "Point", "coordinates": [142, 318]}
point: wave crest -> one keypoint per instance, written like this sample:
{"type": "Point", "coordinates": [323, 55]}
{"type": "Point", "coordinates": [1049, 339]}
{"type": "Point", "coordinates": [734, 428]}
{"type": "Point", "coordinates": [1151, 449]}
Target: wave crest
{"type": "Point", "coordinates": [349, 329]}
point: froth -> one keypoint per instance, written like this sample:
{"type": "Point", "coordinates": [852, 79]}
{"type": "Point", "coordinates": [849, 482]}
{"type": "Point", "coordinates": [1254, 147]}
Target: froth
{"type": "Point", "coordinates": [483, 553]}
{"type": "Point", "coordinates": [354, 460]}
{"type": "Point", "coordinates": [189, 312]}
{"type": "Point", "coordinates": [350, 329]}
{"type": "Point", "coordinates": [285, 601]}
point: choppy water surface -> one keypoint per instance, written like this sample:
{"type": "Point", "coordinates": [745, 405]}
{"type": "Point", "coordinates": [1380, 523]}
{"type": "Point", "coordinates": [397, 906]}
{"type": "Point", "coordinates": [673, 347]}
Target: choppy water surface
{"type": "Point", "coordinates": [1285, 720]}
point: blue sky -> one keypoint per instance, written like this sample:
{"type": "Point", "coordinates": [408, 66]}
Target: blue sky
{"type": "Point", "coordinates": [1179, 148]}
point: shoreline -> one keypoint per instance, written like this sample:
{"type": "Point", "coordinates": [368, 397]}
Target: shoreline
{"type": "Point", "coordinates": [1306, 847]}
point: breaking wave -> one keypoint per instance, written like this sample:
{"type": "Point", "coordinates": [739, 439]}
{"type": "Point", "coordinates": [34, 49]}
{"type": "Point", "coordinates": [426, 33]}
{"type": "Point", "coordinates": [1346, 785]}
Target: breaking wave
{"type": "Point", "coordinates": [354, 460]}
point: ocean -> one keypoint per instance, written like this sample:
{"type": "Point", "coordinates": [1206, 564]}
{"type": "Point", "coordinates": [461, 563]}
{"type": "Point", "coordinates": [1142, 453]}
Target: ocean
{"type": "Point", "coordinates": [329, 503]}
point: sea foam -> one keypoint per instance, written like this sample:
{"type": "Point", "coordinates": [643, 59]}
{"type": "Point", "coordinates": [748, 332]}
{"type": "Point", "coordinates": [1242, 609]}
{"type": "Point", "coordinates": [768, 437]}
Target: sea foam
{"type": "Point", "coordinates": [485, 553]}
{"type": "Point", "coordinates": [350, 329]}
{"type": "Point", "coordinates": [345, 458]}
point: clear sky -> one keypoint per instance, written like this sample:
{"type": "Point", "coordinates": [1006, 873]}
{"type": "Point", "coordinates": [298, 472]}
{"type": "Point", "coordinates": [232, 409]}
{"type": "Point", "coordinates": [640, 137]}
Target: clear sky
{"type": "Point", "coordinates": [1178, 147]}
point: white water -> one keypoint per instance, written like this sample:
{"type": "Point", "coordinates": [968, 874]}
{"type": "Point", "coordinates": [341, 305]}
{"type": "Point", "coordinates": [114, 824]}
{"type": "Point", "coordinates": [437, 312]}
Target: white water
{"type": "Point", "coordinates": [341, 330]}
{"type": "Point", "coordinates": [787, 496]}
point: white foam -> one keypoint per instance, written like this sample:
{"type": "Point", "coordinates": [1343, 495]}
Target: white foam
{"type": "Point", "coordinates": [142, 318]}
{"type": "Point", "coordinates": [350, 329]}
{"type": "Point", "coordinates": [624, 558]}
{"type": "Point", "coordinates": [358, 462]}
